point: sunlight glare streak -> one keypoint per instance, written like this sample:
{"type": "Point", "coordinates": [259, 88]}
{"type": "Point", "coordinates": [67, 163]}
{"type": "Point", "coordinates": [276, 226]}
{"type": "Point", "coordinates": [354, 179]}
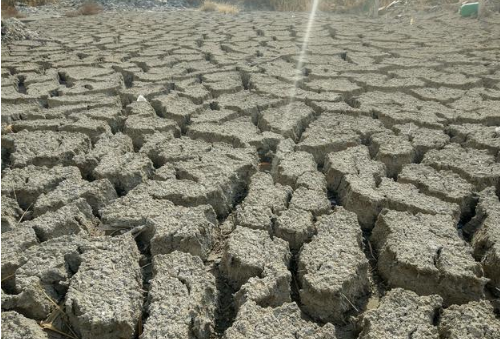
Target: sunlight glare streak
{"type": "Point", "coordinates": [300, 63]}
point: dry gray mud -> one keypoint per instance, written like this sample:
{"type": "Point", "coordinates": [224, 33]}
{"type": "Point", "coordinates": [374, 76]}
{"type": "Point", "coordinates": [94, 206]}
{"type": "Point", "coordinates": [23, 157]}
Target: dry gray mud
{"type": "Point", "coordinates": [216, 207]}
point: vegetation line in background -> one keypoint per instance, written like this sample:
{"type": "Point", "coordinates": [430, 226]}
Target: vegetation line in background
{"type": "Point", "coordinates": [9, 9]}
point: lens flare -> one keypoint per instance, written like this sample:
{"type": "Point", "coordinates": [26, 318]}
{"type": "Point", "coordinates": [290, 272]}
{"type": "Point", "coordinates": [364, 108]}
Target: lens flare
{"type": "Point", "coordinates": [303, 50]}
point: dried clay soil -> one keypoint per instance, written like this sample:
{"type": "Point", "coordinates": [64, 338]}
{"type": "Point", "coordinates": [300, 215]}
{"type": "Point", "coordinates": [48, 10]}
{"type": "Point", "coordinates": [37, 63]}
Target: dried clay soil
{"type": "Point", "coordinates": [216, 207]}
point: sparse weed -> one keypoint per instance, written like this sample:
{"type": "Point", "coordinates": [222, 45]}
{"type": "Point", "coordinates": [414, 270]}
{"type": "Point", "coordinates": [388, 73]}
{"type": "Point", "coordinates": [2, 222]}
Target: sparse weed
{"type": "Point", "coordinates": [208, 6]}
{"type": "Point", "coordinates": [212, 6]}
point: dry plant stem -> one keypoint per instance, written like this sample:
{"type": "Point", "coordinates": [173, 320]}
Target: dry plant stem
{"type": "Point", "coordinates": [60, 310]}
{"type": "Point", "coordinates": [24, 213]}
{"type": "Point", "coordinates": [50, 327]}
{"type": "Point", "coordinates": [8, 277]}
{"type": "Point", "coordinates": [350, 303]}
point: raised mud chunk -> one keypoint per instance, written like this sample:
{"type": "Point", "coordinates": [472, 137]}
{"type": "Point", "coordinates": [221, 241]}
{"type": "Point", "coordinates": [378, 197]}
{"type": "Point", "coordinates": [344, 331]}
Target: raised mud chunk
{"type": "Point", "coordinates": [38, 125]}
{"type": "Point", "coordinates": [17, 326]}
{"type": "Point", "coordinates": [193, 90]}
{"type": "Point", "coordinates": [140, 108]}
{"type": "Point", "coordinates": [223, 82]}
{"type": "Point", "coordinates": [164, 173]}
{"type": "Point", "coordinates": [290, 166]}
{"type": "Point", "coordinates": [176, 108]}
{"type": "Point", "coordinates": [393, 150]}
{"type": "Point", "coordinates": [422, 139]}
{"type": "Point", "coordinates": [258, 265]}
{"type": "Point", "coordinates": [473, 320]}
{"type": "Point", "coordinates": [71, 100]}
{"type": "Point", "coordinates": [44, 148]}
{"type": "Point", "coordinates": [14, 243]}
{"type": "Point", "coordinates": [26, 184]}
{"type": "Point", "coordinates": [247, 103]}
{"type": "Point", "coordinates": [239, 132]}
{"type": "Point", "coordinates": [312, 181]}
{"type": "Point", "coordinates": [97, 193]}
{"type": "Point", "coordinates": [296, 226]}
{"type": "Point", "coordinates": [166, 150]}
{"type": "Point", "coordinates": [486, 240]}
{"type": "Point", "coordinates": [271, 289]}
{"type": "Point", "coordinates": [333, 270]}
{"type": "Point", "coordinates": [214, 174]}
{"type": "Point", "coordinates": [168, 227]}
{"type": "Point", "coordinates": [262, 191]}
{"type": "Point", "coordinates": [153, 144]}
{"type": "Point", "coordinates": [110, 115]}
{"type": "Point", "coordinates": [104, 299]}
{"type": "Point", "coordinates": [476, 136]}
{"type": "Point", "coordinates": [125, 171]}
{"type": "Point", "coordinates": [476, 166]}
{"type": "Point", "coordinates": [290, 120]}
{"type": "Point", "coordinates": [406, 197]}
{"type": "Point", "coordinates": [138, 127]}
{"type": "Point", "coordinates": [11, 214]}
{"type": "Point", "coordinates": [184, 229]}
{"type": "Point", "coordinates": [445, 185]}
{"type": "Point", "coordinates": [146, 89]}
{"type": "Point", "coordinates": [255, 217]}
{"type": "Point", "coordinates": [333, 132]}
{"type": "Point", "coordinates": [182, 299]}
{"type": "Point", "coordinates": [353, 176]}
{"type": "Point", "coordinates": [263, 201]}
{"type": "Point", "coordinates": [117, 144]}
{"type": "Point", "coordinates": [312, 200]}
{"type": "Point", "coordinates": [340, 85]}
{"type": "Point", "coordinates": [93, 128]}
{"type": "Point", "coordinates": [189, 193]}
{"type": "Point", "coordinates": [403, 110]}
{"type": "Point", "coordinates": [285, 321]}
{"type": "Point", "coordinates": [401, 314]}
{"type": "Point", "coordinates": [44, 273]}
{"type": "Point", "coordinates": [424, 253]}
{"type": "Point", "coordinates": [70, 219]}
{"type": "Point", "coordinates": [214, 116]}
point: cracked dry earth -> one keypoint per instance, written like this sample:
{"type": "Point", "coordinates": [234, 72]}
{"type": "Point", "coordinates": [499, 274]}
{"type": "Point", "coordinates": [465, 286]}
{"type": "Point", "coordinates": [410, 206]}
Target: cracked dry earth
{"type": "Point", "coordinates": [366, 208]}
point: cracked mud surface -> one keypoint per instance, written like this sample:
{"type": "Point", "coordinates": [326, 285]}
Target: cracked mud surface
{"type": "Point", "coordinates": [216, 208]}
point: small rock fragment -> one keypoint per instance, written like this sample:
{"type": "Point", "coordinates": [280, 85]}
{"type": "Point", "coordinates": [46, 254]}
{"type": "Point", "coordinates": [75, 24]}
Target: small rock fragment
{"type": "Point", "coordinates": [258, 265]}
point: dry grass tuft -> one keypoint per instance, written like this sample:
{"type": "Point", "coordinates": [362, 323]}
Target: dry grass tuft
{"type": "Point", "coordinates": [10, 11]}
{"type": "Point", "coordinates": [289, 5]}
{"type": "Point", "coordinates": [212, 6]}
{"type": "Point", "coordinates": [88, 8]}
{"type": "Point", "coordinates": [208, 6]}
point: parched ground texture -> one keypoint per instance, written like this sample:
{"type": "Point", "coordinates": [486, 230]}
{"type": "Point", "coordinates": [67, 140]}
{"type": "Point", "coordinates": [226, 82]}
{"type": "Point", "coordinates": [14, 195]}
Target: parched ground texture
{"type": "Point", "coordinates": [158, 182]}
